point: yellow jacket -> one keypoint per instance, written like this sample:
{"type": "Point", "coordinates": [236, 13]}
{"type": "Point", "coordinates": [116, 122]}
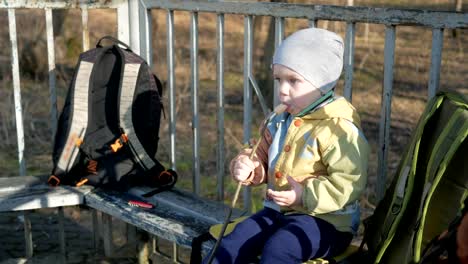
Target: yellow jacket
{"type": "Point", "coordinates": [326, 151]}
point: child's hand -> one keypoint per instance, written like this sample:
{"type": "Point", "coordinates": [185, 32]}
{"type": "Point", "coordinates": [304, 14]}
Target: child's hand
{"type": "Point", "coordinates": [287, 198]}
{"type": "Point", "coordinates": [243, 167]}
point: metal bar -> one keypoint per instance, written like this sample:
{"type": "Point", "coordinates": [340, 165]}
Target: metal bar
{"type": "Point", "coordinates": [53, 113]}
{"type": "Point", "coordinates": [17, 91]}
{"type": "Point", "coordinates": [259, 94]}
{"type": "Point", "coordinates": [386, 109]}
{"type": "Point", "coordinates": [248, 45]}
{"type": "Point", "coordinates": [220, 107]}
{"type": "Point", "coordinates": [436, 58]}
{"type": "Point", "coordinates": [435, 19]}
{"type": "Point", "coordinates": [19, 121]}
{"type": "Point", "coordinates": [313, 23]}
{"type": "Point", "coordinates": [171, 84]}
{"type": "Point", "coordinates": [123, 22]}
{"type": "Point", "coordinates": [349, 60]}
{"type": "Point", "coordinates": [52, 74]}
{"type": "Point", "coordinates": [375, 15]}
{"type": "Point", "coordinates": [194, 92]}
{"type": "Point", "coordinates": [279, 35]}
{"type": "Point", "coordinates": [148, 24]}
{"type": "Point", "coordinates": [84, 23]}
{"type": "Point", "coordinates": [60, 4]}
{"type": "Point", "coordinates": [135, 23]}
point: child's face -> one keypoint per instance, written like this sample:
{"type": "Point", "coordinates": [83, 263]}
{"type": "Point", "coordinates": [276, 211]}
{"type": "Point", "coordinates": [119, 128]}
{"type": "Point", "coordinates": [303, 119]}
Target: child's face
{"type": "Point", "coordinates": [294, 91]}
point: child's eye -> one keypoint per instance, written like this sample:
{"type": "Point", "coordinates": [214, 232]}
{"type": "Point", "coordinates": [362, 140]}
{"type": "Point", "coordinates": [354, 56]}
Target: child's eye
{"type": "Point", "coordinates": [293, 80]}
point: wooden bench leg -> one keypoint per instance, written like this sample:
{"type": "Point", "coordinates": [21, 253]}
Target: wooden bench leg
{"type": "Point", "coordinates": [28, 235]}
{"type": "Point", "coordinates": [143, 247]}
{"type": "Point", "coordinates": [96, 231]}
{"type": "Point", "coordinates": [61, 228]}
{"type": "Point", "coordinates": [107, 234]}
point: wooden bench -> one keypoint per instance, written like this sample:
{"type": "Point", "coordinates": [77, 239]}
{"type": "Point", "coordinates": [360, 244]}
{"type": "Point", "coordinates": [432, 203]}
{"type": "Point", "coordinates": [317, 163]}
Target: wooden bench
{"type": "Point", "coordinates": [177, 215]}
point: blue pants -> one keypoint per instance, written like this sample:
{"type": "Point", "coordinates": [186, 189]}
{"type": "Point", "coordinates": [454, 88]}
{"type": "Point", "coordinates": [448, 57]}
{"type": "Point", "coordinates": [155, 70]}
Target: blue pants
{"type": "Point", "coordinates": [280, 238]}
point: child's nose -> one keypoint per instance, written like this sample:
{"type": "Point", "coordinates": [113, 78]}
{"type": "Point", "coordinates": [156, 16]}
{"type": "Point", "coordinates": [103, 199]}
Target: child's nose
{"type": "Point", "coordinates": [283, 88]}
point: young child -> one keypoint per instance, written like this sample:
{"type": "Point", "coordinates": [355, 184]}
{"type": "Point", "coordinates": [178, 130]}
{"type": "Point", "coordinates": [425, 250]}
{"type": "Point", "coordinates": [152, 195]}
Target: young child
{"type": "Point", "coordinates": [313, 158]}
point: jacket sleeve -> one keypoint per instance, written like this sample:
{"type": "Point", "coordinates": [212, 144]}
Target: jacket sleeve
{"type": "Point", "coordinates": [346, 158]}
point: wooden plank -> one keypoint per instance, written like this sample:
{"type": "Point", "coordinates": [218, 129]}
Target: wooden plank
{"type": "Point", "coordinates": [32, 192]}
{"type": "Point", "coordinates": [178, 216]}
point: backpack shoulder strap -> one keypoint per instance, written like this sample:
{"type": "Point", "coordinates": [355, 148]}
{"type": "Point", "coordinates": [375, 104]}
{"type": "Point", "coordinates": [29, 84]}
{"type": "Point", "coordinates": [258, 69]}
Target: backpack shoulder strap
{"type": "Point", "coordinates": [127, 89]}
{"type": "Point", "coordinates": [79, 100]}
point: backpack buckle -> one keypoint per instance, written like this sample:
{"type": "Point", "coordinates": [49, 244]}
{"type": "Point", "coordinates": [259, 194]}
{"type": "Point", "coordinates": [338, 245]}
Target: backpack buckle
{"type": "Point", "coordinates": [53, 180]}
{"type": "Point", "coordinates": [119, 143]}
{"type": "Point", "coordinates": [81, 182]}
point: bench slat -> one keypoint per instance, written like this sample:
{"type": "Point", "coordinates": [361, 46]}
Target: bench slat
{"type": "Point", "coordinates": [32, 192]}
{"type": "Point", "coordinates": [177, 215]}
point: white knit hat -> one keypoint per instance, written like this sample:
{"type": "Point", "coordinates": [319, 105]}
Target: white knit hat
{"type": "Point", "coordinates": [314, 53]}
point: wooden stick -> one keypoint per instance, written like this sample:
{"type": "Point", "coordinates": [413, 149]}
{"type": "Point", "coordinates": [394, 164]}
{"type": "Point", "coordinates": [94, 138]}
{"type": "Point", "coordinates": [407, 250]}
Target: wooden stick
{"type": "Point", "coordinates": [278, 110]}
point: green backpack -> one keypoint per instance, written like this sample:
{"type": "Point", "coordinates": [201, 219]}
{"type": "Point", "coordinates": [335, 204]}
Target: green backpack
{"type": "Point", "coordinates": [429, 188]}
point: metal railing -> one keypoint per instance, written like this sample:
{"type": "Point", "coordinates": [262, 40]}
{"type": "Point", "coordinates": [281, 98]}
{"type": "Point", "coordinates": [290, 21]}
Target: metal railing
{"type": "Point", "coordinates": [134, 27]}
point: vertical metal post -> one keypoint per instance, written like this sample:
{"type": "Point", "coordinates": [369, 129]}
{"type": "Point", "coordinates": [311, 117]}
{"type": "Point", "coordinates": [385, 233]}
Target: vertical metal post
{"type": "Point", "coordinates": [313, 23]}
{"type": "Point", "coordinates": [19, 119]}
{"type": "Point", "coordinates": [84, 23]}
{"type": "Point", "coordinates": [194, 92]}
{"type": "Point", "coordinates": [17, 91]}
{"type": "Point", "coordinates": [248, 46]}
{"type": "Point", "coordinates": [279, 35]}
{"type": "Point", "coordinates": [147, 47]}
{"type": "Point", "coordinates": [436, 58]}
{"type": "Point", "coordinates": [52, 75]}
{"type": "Point", "coordinates": [140, 29]}
{"type": "Point", "coordinates": [220, 106]}
{"type": "Point", "coordinates": [384, 130]}
{"type": "Point", "coordinates": [349, 60]}
{"type": "Point", "coordinates": [135, 27]}
{"type": "Point", "coordinates": [123, 21]}
{"type": "Point", "coordinates": [53, 113]}
{"type": "Point", "coordinates": [171, 84]}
